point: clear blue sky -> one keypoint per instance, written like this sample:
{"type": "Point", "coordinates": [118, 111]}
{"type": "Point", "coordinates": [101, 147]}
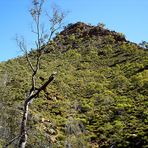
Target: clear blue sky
{"type": "Point", "coordinates": [127, 16]}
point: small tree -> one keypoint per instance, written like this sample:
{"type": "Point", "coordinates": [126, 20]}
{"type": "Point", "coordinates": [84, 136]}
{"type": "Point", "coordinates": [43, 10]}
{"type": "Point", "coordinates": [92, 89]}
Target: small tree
{"type": "Point", "coordinates": [101, 25]}
{"type": "Point", "coordinates": [144, 44]}
{"type": "Point", "coordinates": [42, 38]}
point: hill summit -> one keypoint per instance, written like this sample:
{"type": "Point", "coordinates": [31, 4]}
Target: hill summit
{"type": "Point", "coordinates": [82, 30]}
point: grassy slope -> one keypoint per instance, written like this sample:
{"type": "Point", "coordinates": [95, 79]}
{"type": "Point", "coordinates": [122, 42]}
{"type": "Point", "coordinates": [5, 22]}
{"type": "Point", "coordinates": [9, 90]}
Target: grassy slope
{"type": "Point", "coordinates": [99, 96]}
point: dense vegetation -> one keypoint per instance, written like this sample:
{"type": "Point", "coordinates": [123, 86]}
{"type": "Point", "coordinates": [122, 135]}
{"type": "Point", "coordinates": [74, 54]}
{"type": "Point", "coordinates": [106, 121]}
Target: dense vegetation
{"type": "Point", "coordinates": [99, 97]}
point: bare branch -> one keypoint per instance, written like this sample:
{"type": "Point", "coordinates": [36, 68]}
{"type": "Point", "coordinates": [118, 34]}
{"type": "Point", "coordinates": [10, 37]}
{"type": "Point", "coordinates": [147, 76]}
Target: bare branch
{"type": "Point", "coordinates": [22, 45]}
{"type": "Point", "coordinates": [55, 21]}
{"type": "Point", "coordinates": [11, 141]}
{"type": "Point", "coordinates": [50, 79]}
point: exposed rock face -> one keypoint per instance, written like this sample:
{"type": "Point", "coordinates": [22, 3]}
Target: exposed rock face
{"type": "Point", "coordinates": [99, 31]}
{"type": "Point", "coordinates": [80, 29]}
{"type": "Point", "coordinates": [76, 28]}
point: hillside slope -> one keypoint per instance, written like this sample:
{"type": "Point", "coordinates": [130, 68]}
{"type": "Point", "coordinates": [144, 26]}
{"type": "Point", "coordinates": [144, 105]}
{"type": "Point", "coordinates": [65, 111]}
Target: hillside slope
{"type": "Point", "coordinates": [99, 97]}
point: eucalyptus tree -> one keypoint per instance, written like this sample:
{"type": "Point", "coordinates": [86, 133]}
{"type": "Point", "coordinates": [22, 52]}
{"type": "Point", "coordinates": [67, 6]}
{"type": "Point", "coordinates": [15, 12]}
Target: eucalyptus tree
{"type": "Point", "coordinates": [43, 37]}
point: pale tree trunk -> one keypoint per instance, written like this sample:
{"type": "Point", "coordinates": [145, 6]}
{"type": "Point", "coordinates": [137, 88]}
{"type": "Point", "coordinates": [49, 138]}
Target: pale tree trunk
{"type": "Point", "coordinates": [23, 130]}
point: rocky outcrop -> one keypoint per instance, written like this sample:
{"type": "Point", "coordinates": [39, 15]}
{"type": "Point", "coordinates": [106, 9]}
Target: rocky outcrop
{"type": "Point", "coordinates": [84, 30]}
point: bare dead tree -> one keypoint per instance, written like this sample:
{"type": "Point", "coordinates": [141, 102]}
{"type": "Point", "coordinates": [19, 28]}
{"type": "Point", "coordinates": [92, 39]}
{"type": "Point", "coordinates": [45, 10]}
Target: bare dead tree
{"type": "Point", "coordinates": [42, 38]}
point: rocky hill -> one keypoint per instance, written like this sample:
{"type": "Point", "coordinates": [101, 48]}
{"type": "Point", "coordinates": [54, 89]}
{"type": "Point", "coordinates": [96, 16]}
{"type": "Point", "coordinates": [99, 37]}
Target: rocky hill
{"type": "Point", "coordinates": [84, 30]}
{"type": "Point", "coordinates": [99, 97]}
